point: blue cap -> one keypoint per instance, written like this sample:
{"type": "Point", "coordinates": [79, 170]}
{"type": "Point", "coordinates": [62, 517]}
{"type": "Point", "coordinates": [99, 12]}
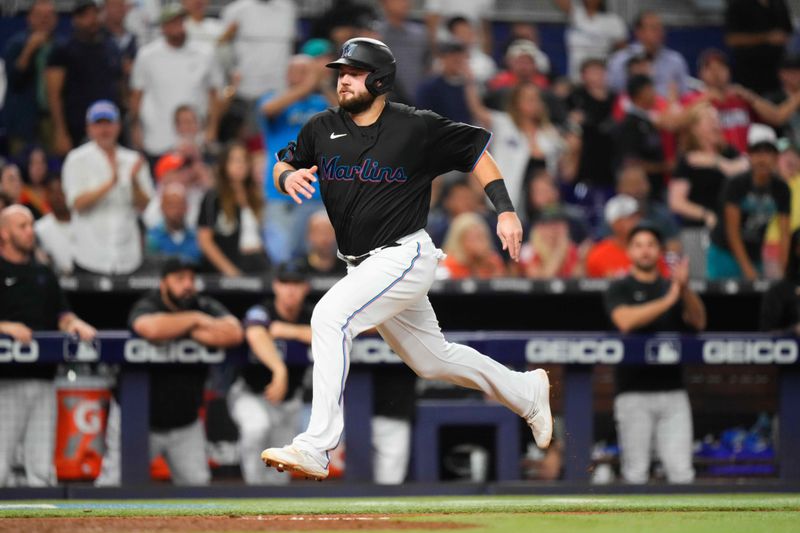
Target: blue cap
{"type": "Point", "coordinates": [102, 110]}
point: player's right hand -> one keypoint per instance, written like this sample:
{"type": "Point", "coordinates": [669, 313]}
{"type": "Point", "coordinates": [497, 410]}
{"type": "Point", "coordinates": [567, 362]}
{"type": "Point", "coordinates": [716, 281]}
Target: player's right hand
{"type": "Point", "coordinates": [18, 331]}
{"type": "Point", "coordinates": [299, 183]}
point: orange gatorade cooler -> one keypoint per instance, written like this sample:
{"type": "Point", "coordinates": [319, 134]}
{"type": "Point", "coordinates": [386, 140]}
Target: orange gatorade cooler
{"type": "Point", "coordinates": [80, 428]}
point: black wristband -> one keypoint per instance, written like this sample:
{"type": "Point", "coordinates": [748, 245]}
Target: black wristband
{"type": "Point", "coordinates": [282, 180]}
{"type": "Point", "coordinates": [498, 194]}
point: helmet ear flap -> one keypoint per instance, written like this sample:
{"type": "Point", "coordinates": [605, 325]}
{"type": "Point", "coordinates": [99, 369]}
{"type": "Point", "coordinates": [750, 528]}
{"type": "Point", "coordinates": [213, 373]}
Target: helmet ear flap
{"type": "Point", "coordinates": [379, 82]}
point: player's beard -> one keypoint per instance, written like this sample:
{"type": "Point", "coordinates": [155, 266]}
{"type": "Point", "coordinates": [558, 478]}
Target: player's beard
{"type": "Point", "coordinates": [357, 104]}
{"type": "Point", "coordinates": [184, 303]}
{"type": "Point", "coordinates": [646, 266]}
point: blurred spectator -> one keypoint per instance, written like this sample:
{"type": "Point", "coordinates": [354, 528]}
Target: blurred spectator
{"type": "Point", "coordinates": [408, 42]}
{"type": "Point", "coordinates": [481, 64]}
{"type": "Point", "coordinates": [524, 138]}
{"type": "Point", "coordinates": [789, 74]}
{"type": "Point", "coordinates": [549, 252]}
{"type": "Point", "coordinates": [344, 20]}
{"type": "Point", "coordinates": [176, 312]}
{"type": "Point", "coordinates": [281, 115]}
{"type": "Point", "coordinates": [789, 171]}
{"type": "Point", "coordinates": [526, 31]}
{"type": "Point", "coordinates": [30, 300]}
{"type": "Point", "coordinates": [477, 12]}
{"type": "Point", "coordinates": [749, 202]}
{"type": "Point", "coordinates": [191, 142]}
{"type": "Point", "coordinates": [697, 183]}
{"type": "Point", "coordinates": [469, 249]}
{"type": "Point", "coordinates": [114, 12]}
{"type": "Point", "coordinates": [11, 187]}
{"type": "Point", "coordinates": [638, 138]}
{"type": "Point", "coordinates": [106, 186]}
{"type": "Point", "coordinates": [757, 31]}
{"type": "Point", "coordinates": [260, 30]}
{"type": "Point", "coordinates": [542, 195]}
{"type": "Point", "coordinates": [142, 20]}
{"type": "Point", "coordinates": [445, 91]}
{"type": "Point", "coordinates": [609, 258]}
{"type": "Point", "coordinates": [780, 306]}
{"type": "Point", "coordinates": [737, 106]}
{"type": "Point", "coordinates": [172, 236]}
{"type": "Point", "coordinates": [457, 197]}
{"type": "Point", "coordinates": [54, 231]}
{"type": "Point", "coordinates": [35, 175]}
{"type": "Point", "coordinates": [83, 69]}
{"type": "Point", "coordinates": [652, 406]}
{"type": "Point", "coordinates": [192, 174]}
{"type": "Point", "coordinates": [200, 29]}
{"type": "Point", "coordinates": [632, 181]}
{"type": "Point", "coordinates": [593, 33]}
{"type": "Point", "coordinates": [522, 65]}
{"type": "Point", "coordinates": [229, 224]}
{"type": "Point", "coordinates": [670, 71]}
{"type": "Point", "coordinates": [266, 400]}
{"type": "Point", "coordinates": [590, 105]}
{"type": "Point", "coordinates": [321, 256]}
{"type": "Point", "coordinates": [25, 57]}
{"type": "Point", "coordinates": [168, 73]}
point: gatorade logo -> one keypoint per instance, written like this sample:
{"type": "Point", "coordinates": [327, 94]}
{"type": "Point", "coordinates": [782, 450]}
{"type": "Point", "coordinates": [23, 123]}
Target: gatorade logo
{"type": "Point", "coordinates": [87, 417]}
{"type": "Point", "coordinates": [12, 351]}
{"type": "Point", "coordinates": [184, 351]}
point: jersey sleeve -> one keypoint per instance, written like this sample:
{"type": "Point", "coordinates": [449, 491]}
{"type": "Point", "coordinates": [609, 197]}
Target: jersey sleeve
{"type": "Point", "coordinates": [614, 297]}
{"type": "Point", "coordinates": [258, 315]}
{"type": "Point", "coordinates": [145, 306]}
{"type": "Point", "coordinates": [783, 197]}
{"type": "Point", "coordinates": [300, 154]}
{"type": "Point", "coordinates": [453, 145]}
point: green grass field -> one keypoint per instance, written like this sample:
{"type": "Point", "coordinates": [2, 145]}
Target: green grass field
{"type": "Point", "coordinates": [543, 514]}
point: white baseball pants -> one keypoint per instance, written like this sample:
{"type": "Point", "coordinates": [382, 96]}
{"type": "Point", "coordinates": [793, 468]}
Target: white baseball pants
{"type": "Point", "coordinates": [654, 419]}
{"type": "Point", "coordinates": [389, 291]}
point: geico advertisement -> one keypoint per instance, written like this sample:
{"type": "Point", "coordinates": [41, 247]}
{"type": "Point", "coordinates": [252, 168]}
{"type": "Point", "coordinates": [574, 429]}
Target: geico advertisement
{"type": "Point", "coordinates": [579, 351]}
{"type": "Point", "coordinates": [741, 351]}
{"type": "Point", "coordinates": [183, 351]}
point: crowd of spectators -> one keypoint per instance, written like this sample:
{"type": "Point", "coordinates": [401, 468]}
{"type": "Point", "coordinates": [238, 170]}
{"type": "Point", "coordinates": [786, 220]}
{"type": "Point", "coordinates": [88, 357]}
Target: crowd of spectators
{"type": "Point", "coordinates": [172, 117]}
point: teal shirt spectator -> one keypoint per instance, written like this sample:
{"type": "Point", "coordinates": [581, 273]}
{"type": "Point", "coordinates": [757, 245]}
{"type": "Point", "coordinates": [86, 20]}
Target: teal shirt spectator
{"type": "Point", "coordinates": [160, 242]}
{"type": "Point", "coordinates": [282, 128]}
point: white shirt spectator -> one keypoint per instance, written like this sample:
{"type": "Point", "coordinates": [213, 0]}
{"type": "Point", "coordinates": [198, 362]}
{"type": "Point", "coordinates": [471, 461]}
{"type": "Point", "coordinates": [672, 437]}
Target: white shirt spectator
{"type": "Point", "coordinates": [170, 77]}
{"type": "Point", "coordinates": [57, 239]}
{"type": "Point", "coordinates": [265, 33]}
{"type": "Point", "coordinates": [142, 20]}
{"type": "Point", "coordinates": [153, 216]}
{"type": "Point", "coordinates": [591, 37]}
{"type": "Point", "coordinates": [205, 33]}
{"type": "Point", "coordinates": [3, 83]}
{"type": "Point", "coordinates": [511, 149]}
{"type": "Point", "coordinates": [110, 241]}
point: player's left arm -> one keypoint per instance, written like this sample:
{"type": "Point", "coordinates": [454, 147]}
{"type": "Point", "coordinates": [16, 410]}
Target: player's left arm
{"type": "Point", "coordinates": [509, 228]}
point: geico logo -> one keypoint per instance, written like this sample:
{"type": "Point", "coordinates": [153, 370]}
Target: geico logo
{"type": "Point", "coordinates": [372, 351]}
{"type": "Point", "coordinates": [588, 351]}
{"type": "Point", "coordinates": [759, 352]}
{"type": "Point", "coordinates": [87, 416]}
{"type": "Point", "coordinates": [14, 351]}
{"type": "Point", "coordinates": [183, 351]}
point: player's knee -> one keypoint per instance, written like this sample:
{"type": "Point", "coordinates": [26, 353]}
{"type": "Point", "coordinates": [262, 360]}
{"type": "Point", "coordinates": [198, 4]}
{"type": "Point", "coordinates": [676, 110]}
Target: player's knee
{"type": "Point", "coordinates": [323, 317]}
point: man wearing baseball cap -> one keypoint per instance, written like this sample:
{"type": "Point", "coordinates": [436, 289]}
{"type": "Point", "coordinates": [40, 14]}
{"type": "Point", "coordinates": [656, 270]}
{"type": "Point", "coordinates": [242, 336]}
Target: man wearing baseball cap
{"type": "Point", "coordinates": [609, 257]}
{"type": "Point", "coordinates": [749, 202]}
{"type": "Point", "coordinates": [106, 186]}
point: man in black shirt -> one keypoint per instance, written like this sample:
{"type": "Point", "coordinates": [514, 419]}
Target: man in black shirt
{"type": "Point", "coordinates": [30, 300]}
{"type": "Point", "coordinates": [780, 307]}
{"type": "Point", "coordinates": [265, 402]}
{"type": "Point", "coordinates": [651, 404]}
{"type": "Point", "coordinates": [638, 139]}
{"type": "Point", "coordinates": [85, 68]}
{"type": "Point", "coordinates": [376, 160]}
{"type": "Point", "coordinates": [175, 312]}
{"type": "Point", "coordinates": [749, 203]}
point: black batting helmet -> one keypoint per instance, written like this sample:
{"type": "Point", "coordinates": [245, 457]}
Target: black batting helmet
{"type": "Point", "coordinates": [372, 55]}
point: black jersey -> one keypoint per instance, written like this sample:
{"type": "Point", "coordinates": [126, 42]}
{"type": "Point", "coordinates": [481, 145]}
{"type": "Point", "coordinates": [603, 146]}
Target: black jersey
{"type": "Point", "coordinates": [375, 180]}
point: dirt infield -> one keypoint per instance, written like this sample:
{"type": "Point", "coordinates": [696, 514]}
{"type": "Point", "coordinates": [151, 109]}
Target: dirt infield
{"type": "Point", "coordinates": [145, 524]}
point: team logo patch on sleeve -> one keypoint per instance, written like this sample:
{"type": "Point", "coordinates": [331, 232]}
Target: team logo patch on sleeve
{"type": "Point", "coordinates": [257, 315]}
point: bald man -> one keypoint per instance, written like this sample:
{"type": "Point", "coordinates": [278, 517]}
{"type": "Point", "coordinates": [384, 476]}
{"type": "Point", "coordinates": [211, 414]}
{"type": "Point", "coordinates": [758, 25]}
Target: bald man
{"type": "Point", "coordinates": [30, 300]}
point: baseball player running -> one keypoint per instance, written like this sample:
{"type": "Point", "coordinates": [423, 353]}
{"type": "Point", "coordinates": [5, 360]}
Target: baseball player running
{"type": "Point", "coordinates": [374, 161]}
